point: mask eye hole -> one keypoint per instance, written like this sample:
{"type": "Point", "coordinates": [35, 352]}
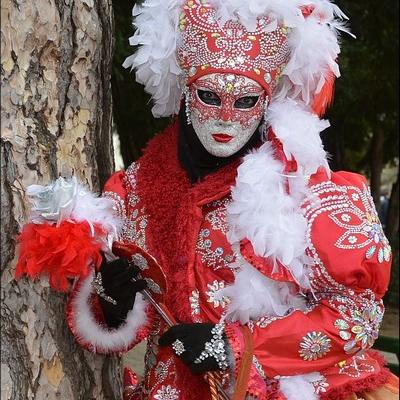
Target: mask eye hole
{"type": "Point", "coordinates": [246, 102]}
{"type": "Point", "coordinates": [208, 97]}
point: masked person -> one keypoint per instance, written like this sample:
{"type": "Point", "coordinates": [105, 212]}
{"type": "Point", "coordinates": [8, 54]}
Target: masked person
{"type": "Point", "coordinates": [266, 251]}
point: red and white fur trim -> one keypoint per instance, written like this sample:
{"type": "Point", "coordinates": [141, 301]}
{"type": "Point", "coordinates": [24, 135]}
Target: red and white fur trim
{"type": "Point", "coordinates": [96, 336]}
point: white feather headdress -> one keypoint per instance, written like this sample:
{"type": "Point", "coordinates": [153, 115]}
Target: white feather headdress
{"type": "Point", "coordinates": [313, 41]}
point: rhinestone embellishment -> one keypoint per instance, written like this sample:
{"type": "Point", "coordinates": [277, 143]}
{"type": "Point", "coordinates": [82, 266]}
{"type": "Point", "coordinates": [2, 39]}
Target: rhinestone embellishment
{"type": "Point", "coordinates": [315, 345]}
{"type": "Point", "coordinates": [138, 260]}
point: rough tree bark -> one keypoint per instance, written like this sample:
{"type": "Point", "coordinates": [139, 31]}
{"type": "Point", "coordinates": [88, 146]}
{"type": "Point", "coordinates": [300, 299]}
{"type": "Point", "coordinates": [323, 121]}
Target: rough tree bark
{"type": "Point", "coordinates": [56, 119]}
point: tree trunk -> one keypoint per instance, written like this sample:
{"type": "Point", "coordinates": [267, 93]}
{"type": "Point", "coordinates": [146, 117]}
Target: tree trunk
{"type": "Point", "coordinates": [392, 220]}
{"type": "Point", "coordinates": [377, 143]}
{"type": "Point", "coordinates": [56, 120]}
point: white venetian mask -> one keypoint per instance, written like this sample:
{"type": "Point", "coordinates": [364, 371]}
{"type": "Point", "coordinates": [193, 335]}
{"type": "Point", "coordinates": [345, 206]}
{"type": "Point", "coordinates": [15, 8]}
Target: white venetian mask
{"type": "Point", "coordinates": [225, 110]}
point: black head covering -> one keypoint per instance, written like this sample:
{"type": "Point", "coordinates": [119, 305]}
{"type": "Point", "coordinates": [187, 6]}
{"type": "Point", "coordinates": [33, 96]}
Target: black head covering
{"type": "Point", "coordinates": [196, 160]}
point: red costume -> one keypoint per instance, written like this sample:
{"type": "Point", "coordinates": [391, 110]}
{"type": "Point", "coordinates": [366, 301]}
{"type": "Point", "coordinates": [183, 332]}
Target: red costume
{"type": "Point", "coordinates": [343, 311]}
{"type": "Point", "coordinates": [274, 244]}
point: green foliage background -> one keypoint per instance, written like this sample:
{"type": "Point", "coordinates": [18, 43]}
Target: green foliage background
{"type": "Point", "coordinates": [366, 101]}
{"type": "Point", "coordinates": [366, 94]}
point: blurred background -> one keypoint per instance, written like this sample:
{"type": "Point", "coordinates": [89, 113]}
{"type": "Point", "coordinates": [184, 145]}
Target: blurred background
{"type": "Point", "coordinates": [363, 136]}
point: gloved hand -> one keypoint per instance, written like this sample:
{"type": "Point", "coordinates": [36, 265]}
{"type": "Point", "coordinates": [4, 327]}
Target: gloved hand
{"type": "Point", "coordinates": [117, 282]}
{"type": "Point", "coordinates": [193, 339]}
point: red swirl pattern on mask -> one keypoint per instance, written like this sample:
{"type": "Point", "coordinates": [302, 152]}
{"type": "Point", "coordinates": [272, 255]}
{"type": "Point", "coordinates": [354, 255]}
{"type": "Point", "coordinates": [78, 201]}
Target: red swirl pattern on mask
{"type": "Point", "coordinates": [229, 89]}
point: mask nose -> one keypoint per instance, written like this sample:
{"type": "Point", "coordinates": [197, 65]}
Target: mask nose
{"type": "Point", "coordinates": [225, 117]}
{"type": "Point", "coordinates": [224, 124]}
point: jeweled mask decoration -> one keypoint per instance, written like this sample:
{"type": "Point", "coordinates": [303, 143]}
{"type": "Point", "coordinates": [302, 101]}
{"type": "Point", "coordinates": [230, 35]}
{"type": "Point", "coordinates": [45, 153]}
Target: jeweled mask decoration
{"type": "Point", "coordinates": [209, 46]}
{"type": "Point", "coordinates": [225, 110]}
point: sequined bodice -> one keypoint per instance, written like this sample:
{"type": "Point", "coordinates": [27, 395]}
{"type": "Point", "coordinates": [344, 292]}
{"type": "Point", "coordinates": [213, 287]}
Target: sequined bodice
{"type": "Point", "coordinates": [213, 257]}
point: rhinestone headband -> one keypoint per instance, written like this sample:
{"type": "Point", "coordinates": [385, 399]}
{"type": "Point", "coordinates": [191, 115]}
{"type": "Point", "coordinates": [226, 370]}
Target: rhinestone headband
{"type": "Point", "coordinates": [208, 47]}
{"type": "Point", "coordinates": [289, 47]}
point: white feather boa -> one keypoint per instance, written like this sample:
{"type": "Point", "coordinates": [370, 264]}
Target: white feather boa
{"type": "Point", "coordinates": [299, 131]}
{"type": "Point", "coordinates": [270, 217]}
{"type": "Point", "coordinates": [254, 295]}
{"type": "Point", "coordinates": [263, 211]}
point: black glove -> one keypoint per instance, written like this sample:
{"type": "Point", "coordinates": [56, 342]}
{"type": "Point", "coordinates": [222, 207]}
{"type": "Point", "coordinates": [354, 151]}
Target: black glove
{"type": "Point", "coordinates": [194, 338]}
{"type": "Point", "coordinates": [117, 282]}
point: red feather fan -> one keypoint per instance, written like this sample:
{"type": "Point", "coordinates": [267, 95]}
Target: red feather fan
{"type": "Point", "coordinates": [61, 252]}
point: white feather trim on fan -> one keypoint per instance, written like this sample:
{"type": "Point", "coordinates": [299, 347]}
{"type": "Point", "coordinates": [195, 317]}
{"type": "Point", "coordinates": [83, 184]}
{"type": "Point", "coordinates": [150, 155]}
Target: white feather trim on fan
{"type": "Point", "coordinates": [99, 337]}
{"type": "Point", "coordinates": [300, 387]}
{"type": "Point", "coordinates": [67, 199]}
{"type": "Point", "coordinates": [155, 60]}
{"type": "Point", "coordinates": [253, 295]}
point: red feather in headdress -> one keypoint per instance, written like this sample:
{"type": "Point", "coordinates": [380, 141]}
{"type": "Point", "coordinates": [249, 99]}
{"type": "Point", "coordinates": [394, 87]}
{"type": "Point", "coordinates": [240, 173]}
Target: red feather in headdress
{"type": "Point", "coordinates": [324, 98]}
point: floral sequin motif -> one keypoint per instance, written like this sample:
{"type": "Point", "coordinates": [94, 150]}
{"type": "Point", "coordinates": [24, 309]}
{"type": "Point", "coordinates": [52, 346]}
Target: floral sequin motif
{"type": "Point", "coordinates": [195, 302]}
{"type": "Point", "coordinates": [321, 386]}
{"type": "Point", "coordinates": [214, 257]}
{"type": "Point", "coordinates": [162, 369]}
{"type": "Point", "coordinates": [356, 366]}
{"type": "Point", "coordinates": [119, 204]}
{"type": "Point", "coordinates": [167, 393]}
{"type": "Point", "coordinates": [135, 218]}
{"type": "Point", "coordinates": [217, 218]}
{"type": "Point", "coordinates": [138, 260]}
{"type": "Point", "coordinates": [134, 228]}
{"type": "Point", "coordinates": [213, 295]}
{"type": "Point", "coordinates": [361, 313]}
{"type": "Point", "coordinates": [362, 228]}
{"type": "Point", "coordinates": [362, 328]}
{"type": "Point", "coordinates": [381, 247]}
{"type": "Point", "coordinates": [314, 345]}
